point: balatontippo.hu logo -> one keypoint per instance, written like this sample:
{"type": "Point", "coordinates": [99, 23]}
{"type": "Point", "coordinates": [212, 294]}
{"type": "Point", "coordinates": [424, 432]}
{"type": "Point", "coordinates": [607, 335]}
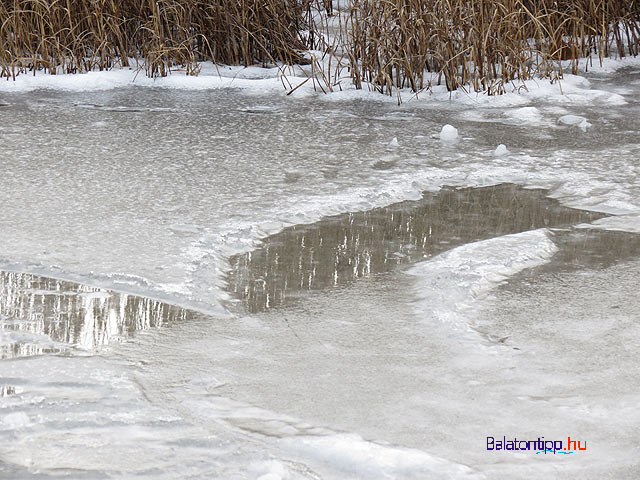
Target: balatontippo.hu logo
{"type": "Point", "coordinates": [538, 446]}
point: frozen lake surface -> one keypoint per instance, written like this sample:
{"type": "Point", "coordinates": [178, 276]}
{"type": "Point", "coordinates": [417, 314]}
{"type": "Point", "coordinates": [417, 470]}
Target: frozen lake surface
{"type": "Point", "coordinates": [165, 326]}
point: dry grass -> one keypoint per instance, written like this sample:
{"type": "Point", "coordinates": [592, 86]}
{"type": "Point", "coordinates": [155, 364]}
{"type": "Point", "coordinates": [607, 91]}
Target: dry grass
{"type": "Point", "coordinates": [479, 44]}
{"type": "Point", "coordinates": [72, 36]}
{"type": "Point", "coordinates": [484, 44]}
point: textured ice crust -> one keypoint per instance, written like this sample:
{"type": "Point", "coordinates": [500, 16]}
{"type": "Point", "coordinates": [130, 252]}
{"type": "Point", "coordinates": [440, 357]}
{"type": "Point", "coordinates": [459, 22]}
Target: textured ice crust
{"type": "Point", "coordinates": [93, 419]}
{"type": "Point", "coordinates": [357, 458]}
{"type": "Point", "coordinates": [329, 453]}
{"type": "Point", "coordinates": [448, 284]}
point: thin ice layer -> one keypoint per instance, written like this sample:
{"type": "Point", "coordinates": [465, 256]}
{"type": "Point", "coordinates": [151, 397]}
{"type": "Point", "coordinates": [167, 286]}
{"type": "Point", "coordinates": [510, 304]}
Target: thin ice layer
{"type": "Point", "coordinates": [448, 284]}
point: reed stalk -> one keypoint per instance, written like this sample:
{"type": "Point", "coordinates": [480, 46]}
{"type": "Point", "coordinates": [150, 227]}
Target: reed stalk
{"type": "Point", "coordinates": [480, 45]}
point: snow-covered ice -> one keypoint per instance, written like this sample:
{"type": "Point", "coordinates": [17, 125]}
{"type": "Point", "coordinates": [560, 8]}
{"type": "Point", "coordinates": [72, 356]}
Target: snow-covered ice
{"type": "Point", "coordinates": [149, 186]}
{"type": "Point", "coordinates": [450, 282]}
{"type": "Point", "coordinates": [575, 120]}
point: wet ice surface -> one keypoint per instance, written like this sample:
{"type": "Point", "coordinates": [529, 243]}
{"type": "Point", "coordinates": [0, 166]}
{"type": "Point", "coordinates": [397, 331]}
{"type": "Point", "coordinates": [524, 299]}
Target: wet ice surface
{"type": "Point", "coordinates": [151, 190]}
{"type": "Point", "coordinates": [391, 376]}
{"type": "Point", "coordinates": [576, 319]}
{"type": "Point", "coordinates": [137, 404]}
{"type": "Point", "coordinates": [278, 392]}
{"type": "Point", "coordinates": [340, 249]}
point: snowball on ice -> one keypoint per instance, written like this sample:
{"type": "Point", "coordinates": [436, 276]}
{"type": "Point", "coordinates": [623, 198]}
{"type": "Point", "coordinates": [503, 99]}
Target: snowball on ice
{"type": "Point", "coordinates": [501, 150]}
{"type": "Point", "coordinates": [449, 133]}
{"type": "Point", "coordinates": [575, 120]}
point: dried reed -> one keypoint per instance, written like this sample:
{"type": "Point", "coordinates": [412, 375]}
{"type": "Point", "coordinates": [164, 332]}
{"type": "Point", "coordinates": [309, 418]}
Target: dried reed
{"type": "Point", "coordinates": [390, 44]}
{"type": "Point", "coordinates": [484, 44]}
{"type": "Point", "coordinates": [71, 36]}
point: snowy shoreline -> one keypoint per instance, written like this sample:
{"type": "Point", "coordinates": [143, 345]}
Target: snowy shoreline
{"type": "Point", "coordinates": [294, 80]}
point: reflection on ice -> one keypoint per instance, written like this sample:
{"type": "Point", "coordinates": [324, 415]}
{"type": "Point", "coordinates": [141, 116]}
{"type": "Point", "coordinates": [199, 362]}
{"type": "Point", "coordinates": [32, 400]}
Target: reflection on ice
{"type": "Point", "coordinates": [123, 108]}
{"type": "Point", "coordinates": [6, 390]}
{"type": "Point", "coordinates": [340, 249]}
{"type": "Point", "coordinates": [41, 315]}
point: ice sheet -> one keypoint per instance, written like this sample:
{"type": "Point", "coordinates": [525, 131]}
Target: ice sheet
{"type": "Point", "coordinates": [150, 190]}
{"type": "Point", "coordinates": [448, 284]}
{"type": "Point", "coordinates": [90, 171]}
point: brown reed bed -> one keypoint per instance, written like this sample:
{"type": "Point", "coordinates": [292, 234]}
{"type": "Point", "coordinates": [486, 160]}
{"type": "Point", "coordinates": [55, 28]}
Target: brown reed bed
{"type": "Point", "coordinates": [483, 45]}
{"type": "Point", "coordinates": [70, 36]}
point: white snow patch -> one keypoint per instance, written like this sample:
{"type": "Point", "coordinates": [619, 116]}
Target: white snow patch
{"type": "Point", "coordinates": [575, 120]}
{"type": "Point", "coordinates": [525, 115]}
{"type": "Point", "coordinates": [449, 283]}
{"type": "Point", "coordinates": [358, 458]}
{"type": "Point", "coordinates": [210, 77]}
{"type": "Point", "coordinates": [16, 420]}
{"type": "Point", "coordinates": [269, 470]}
{"type": "Point", "coordinates": [22, 335]}
{"type": "Point", "coordinates": [609, 65]}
